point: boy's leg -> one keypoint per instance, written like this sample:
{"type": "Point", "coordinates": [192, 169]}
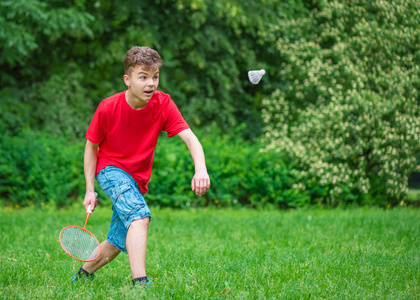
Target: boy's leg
{"type": "Point", "coordinates": [108, 253]}
{"type": "Point", "coordinates": [137, 245]}
{"type": "Point", "coordinates": [130, 218]}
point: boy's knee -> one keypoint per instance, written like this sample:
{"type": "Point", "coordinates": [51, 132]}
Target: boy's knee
{"type": "Point", "coordinates": [141, 222]}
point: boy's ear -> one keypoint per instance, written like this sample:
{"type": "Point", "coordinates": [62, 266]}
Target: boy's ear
{"type": "Point", "coordinates": [126, 80]}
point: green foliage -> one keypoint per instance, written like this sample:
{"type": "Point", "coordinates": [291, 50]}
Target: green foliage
{"type": "Point", "coordinates": [206, 58]}
{"type": "Point", "coordinates": [30, 26]}
{"type": "Point", "coordinates": [344, 113]}
{"type": "Point", "coordinates": [347, 107]}
{"type": "Point", "coordinates": [63, 105]}
{"type": "Point", "coordinates": [240, 175]}
{"type": "Point", "coordinates": [41, 81]}
{"type": "Point", "coordinates": [207, 46]}
{"type": "Point", "coordinates": [35, 169]}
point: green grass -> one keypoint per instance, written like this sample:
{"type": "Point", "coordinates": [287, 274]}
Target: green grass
{"type": "Point", "coordinates": [217, 254]}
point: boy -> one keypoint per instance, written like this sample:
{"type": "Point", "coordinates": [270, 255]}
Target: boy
{"type": "Point", "coordinates": [121, 140]}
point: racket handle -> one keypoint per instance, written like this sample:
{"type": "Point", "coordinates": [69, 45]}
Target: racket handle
{"type": "Point", "coordinates": [89, 211]}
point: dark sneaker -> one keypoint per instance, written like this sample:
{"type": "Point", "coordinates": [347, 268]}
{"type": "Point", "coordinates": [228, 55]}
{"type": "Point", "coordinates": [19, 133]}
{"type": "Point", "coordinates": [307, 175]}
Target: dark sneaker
{"type": "Point", "coordinates": [82, 274]}
{"type": "Point", "coordinates": [76, 277]}
{"type": "Point", "coordinates": [142, 281]}
{"type": "Point", "coordinates": [144, 284]}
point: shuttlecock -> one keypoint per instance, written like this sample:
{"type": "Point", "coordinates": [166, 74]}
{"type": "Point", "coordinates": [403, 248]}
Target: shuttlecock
{"type": "Point", "coordinates": [255, 76]}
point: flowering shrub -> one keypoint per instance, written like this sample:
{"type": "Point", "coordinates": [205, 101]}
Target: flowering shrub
{"type": "Point", "coordinates": [347, 107]}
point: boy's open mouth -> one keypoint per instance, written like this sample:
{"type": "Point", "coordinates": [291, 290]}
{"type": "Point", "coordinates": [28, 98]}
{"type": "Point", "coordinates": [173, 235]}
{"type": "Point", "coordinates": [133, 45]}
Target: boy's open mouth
{"type": "Point", "coordinates": [150, 92]}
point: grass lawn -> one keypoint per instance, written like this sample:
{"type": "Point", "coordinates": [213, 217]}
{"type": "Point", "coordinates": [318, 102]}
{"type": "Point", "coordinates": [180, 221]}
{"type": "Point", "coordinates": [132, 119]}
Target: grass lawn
{"type": "Point", "coordinates": [217, 254]}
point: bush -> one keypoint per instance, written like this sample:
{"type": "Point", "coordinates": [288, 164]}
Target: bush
{"type": "Point", "coordinates": [347, 110]}
{"type": "Point", "coordinates": [240, 175]}
{"type": "Point", "coordinates": [35, 169]}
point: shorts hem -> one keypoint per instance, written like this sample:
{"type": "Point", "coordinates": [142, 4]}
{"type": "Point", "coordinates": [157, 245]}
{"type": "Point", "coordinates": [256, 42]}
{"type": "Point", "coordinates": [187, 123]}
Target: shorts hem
{"type": "Point", "coordinates": [130, 220]}
{"type": "Point", "coordinates": [138, 217]}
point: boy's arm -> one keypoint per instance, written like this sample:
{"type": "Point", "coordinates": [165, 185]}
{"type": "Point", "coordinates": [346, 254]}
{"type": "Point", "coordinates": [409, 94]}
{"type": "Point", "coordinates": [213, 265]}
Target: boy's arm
{"type": "Point", "coordinates": [201, 181]}
{"type": "Point", "coordinates": [90, 169]}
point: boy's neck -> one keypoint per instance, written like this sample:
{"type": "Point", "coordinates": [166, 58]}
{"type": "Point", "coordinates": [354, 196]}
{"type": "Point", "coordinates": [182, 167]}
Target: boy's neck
{"type": "Point", "coordinates": [134, 102]}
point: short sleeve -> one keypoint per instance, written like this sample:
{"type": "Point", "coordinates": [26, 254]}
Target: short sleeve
{"type": "Point", "coordinates": [175, 123]}
{"type": "Point", "coordinates": [98, 126]}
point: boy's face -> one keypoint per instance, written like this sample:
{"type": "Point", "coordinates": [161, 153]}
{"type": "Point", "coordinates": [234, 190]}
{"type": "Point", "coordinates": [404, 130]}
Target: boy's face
{"type": "Point", "coordinates": [142, 82]}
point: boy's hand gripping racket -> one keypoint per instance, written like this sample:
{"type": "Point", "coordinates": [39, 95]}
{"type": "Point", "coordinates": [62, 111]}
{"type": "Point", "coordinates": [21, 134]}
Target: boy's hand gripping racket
{"type": "Point", "coordinates": [80, 243]}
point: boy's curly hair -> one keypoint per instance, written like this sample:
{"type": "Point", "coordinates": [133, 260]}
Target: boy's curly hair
{"type": "Point", "coordinates": [143, 56]}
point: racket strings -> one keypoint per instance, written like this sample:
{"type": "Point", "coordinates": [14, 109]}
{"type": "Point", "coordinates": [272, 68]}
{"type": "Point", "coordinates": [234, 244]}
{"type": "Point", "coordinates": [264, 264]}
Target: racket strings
{"type": "Point", "coordinates": [78, 243]}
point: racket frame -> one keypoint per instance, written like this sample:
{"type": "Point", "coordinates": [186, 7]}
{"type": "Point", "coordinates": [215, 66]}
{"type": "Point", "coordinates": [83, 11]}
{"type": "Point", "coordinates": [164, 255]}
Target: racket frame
{"type": "Point", "coordinates": [84, 229]}
{"type": "Point", "coordinates": [88, 214]}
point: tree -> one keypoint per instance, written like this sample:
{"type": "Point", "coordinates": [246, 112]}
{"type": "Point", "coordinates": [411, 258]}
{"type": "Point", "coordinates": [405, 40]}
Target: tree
{"type": "Point", "coordinates": [41, 83]}
{"type": "Point", "coordinates": [59, 59]}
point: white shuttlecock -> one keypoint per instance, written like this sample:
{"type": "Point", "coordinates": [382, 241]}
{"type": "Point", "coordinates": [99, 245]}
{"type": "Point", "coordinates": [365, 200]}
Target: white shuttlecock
{"type": "Point", "coordinates": [255, 76]}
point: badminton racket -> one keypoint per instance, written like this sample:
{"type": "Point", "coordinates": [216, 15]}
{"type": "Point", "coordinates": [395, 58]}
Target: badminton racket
{"type": "Point", "coordinates": [80, 243]}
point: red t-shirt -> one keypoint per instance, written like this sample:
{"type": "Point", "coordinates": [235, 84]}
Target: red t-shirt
{"type": "Point", "coordinates": [127, 137]}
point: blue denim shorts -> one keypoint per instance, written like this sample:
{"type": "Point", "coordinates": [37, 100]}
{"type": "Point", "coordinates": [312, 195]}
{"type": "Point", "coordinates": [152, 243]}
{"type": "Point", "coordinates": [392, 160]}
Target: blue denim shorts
{"type": "Point", "coordinates": [128, 203]}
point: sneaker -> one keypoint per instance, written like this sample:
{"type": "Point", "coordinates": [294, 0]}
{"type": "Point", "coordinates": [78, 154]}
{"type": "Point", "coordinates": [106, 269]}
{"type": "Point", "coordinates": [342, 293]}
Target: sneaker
{"type": "Point", "coordinates": [82, 274]}
{"type": "Point", "coordinates": [76, 277]}
{"type": "Point", "coordinates": [144, 282]}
